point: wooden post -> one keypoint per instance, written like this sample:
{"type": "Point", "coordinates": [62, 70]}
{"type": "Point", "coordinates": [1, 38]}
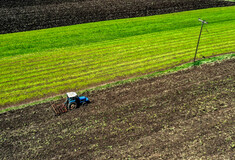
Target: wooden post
{"type": "Point", "coordinates": [199, 38]}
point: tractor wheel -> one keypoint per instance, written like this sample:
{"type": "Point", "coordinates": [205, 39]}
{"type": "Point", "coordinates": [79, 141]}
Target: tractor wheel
{"type": "Point", "coordinates": [72, 106]}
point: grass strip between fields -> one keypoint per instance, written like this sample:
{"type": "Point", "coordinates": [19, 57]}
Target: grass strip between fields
{"type": "Point", "coordinates": [155, 74]}
{"type": "Point", "coordinates": [39, 64]}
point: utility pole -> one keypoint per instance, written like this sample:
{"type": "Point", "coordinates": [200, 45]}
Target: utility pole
{"type": "Point", "coordinates": [199, 37]}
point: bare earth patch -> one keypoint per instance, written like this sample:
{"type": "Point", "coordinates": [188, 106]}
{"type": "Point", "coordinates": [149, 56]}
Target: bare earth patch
{"type": "Point", "coordinates": [188, 114]}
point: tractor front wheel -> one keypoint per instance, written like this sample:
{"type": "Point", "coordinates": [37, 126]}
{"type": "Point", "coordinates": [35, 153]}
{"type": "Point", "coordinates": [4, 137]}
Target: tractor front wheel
{"type": "Point", "coordinates": [72, 106]}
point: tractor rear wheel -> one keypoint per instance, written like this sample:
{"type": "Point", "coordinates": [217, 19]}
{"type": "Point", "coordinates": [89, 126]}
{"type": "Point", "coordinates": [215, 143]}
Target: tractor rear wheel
{"type": "Point", "coordinates": [72, 106]}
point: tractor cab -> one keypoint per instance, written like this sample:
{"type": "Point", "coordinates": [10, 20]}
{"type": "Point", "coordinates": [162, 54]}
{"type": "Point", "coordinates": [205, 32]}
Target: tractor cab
{"type": "Point", "coordinates": [73, 100]}
{"type": "Point", "coordinates": [72, 97]}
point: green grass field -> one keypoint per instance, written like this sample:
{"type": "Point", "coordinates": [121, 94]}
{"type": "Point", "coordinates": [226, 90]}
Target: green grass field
{"type": "Point", "coordinates": [42, 63]}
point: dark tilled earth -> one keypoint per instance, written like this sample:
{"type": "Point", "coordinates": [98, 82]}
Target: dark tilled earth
{"type": "Point", "coordinates": [18, 15]}
{"type": "Point", "coordinates": [189, 114]}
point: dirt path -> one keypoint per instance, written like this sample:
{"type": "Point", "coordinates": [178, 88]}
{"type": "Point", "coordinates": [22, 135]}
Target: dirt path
{"type": "Point", "coordinates": [187, 114]}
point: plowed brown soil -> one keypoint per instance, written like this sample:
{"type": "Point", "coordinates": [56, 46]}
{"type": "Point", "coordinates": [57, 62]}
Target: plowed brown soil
{"type": "Point", "coordinates": [18, 15]}
{"type": "Point", "coordinates": [188, 114]}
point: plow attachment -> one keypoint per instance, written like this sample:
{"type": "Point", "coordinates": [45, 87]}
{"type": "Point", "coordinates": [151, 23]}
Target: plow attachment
{"type": "Point", "coordinates": [59, 108]}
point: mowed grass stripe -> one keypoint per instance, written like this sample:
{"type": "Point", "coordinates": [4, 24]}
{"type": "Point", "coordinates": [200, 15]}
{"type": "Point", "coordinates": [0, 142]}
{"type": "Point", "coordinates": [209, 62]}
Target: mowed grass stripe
{"type": "Point", "coordinates": [81, 81]}
{"type": "Point", "coordinates": [143, 63]}
{"type": "Point", "coordinates": [66, 64]}
{"type": "Point", "coordinates": [39, 64]}
{"type": "Point", "coordinates": [51, 58]}
{"type": "Point", "coordinates": [91, 65]}
{"type": "Point", "coordinates": [34, 74]}
{"type": "Point", "coordinates": [60, 89]}
{"type": "Point", "coordinates": [11, 43]}
{"type": "Point", "coordinates": [135, 69]}
{"type": "Point", "coordinates": [136, 55]}
{"type": "Point", "coordinates": [147, 54]}
{"type": "Point", "coordinates": [89, 53]}
{"type": "Point", "coordinates": [71, 71]}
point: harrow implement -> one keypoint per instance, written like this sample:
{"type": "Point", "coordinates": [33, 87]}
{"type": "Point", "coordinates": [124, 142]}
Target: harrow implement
{"type": "Point", "coordinates": [59, 108]}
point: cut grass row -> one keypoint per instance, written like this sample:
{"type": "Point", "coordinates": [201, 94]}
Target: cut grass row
{"type": "Point", "coordinates": [41, 63]}
{"type": "Point", "coordinates": [141, 63]}
{"type": "Point", "coordinates": [180, 67]}
{"type": "Point", "coordinates": [165, 36]}
{"type": "Point", "coordinates": [33, 75]}
{"type": "Point", "coordinates": [72, 76]}
{"type": "Point", "coordinates": [140, 56]}
{"type": "Point", "coordinates": [73, 83]}
{"type": "Point", "coordinates": [124, 53]}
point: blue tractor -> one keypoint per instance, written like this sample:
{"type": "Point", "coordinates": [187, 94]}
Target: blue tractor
{"type": "Point", "coordinates": [73, 101]}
